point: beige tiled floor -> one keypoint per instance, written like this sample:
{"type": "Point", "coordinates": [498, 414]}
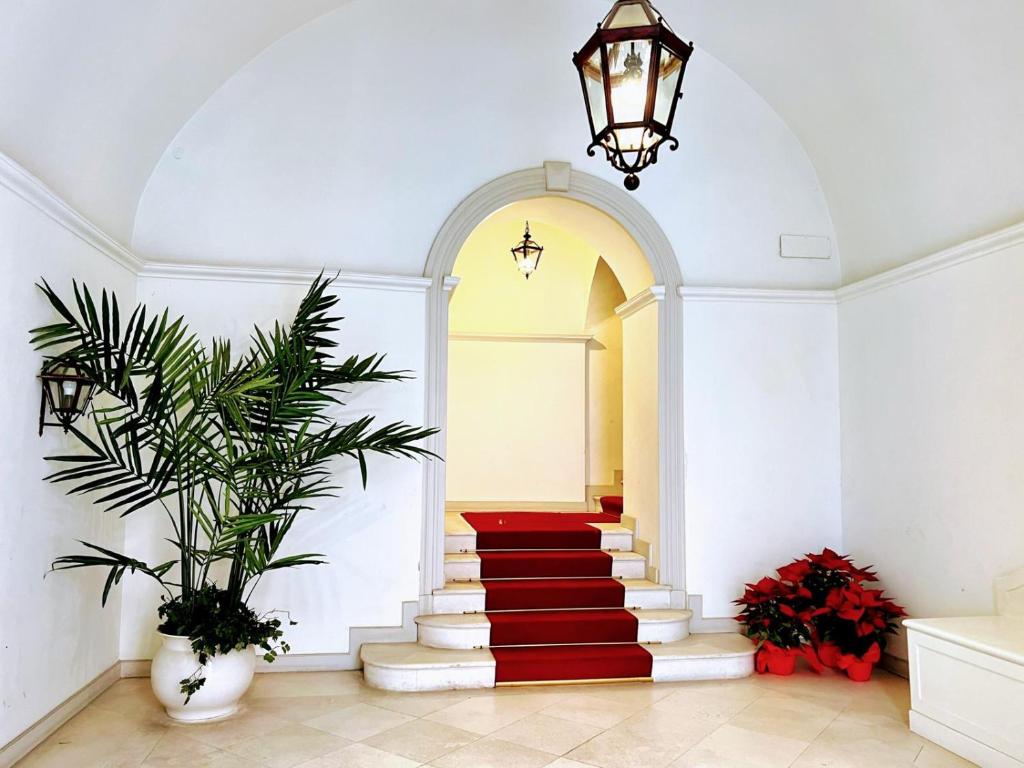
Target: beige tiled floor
{"type": "Point", "coordinates": [332, 720]}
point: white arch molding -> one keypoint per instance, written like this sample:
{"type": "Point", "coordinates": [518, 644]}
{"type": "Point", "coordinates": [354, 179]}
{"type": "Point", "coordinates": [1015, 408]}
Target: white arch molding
{"type": "Point", "coordinates": [560, 180]}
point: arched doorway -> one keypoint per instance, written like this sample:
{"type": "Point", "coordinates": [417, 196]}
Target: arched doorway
{"type": "Point", "coordinates": [558, 180]}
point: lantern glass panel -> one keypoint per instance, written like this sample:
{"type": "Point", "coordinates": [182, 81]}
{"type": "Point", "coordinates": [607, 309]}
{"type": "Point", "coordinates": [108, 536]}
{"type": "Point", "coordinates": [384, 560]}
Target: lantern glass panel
{"type": "Point", "coordinates": [669, 71]}
{"type": "Point", "coordinates": [628, 65]}
{"type": "Point", "coordinates": [629, 15]}
{"type": "Point", "coordinates": [594, 81]}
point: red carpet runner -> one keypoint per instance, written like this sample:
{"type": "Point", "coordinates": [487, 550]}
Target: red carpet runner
{"type": "Point", "coordinates": [532, 594]}
{"type": "Point", "coordinates": [544, 564]}
{"type": "Point", "coordinates": [536, 530]}
{"type": "Point", "coordinates": [555, 611]}
{"type": "Point", "coordinates": [609, 625]}
{"type": "Point", "coordinates": [571, 662]}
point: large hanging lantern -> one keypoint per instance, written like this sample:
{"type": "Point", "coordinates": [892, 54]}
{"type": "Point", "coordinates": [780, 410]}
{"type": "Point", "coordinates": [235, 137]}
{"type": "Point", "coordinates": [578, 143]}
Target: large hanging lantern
{"type": "Point", "coordinates": [527, 254]}
{"type": "Point", "coordinates": [632, 71]}
{"type": "Point", "coordinates": [66, 391]}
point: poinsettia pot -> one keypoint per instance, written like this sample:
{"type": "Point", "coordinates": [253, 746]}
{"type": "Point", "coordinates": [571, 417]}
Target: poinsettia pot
{"type": "Point", "coordinates": [776, 661]}
{"type": "Point", "coordinates": [828, 654]}
{"type": "Point", "coordinates": [860, 671]}
{"type": "Point", "coordinates": [228, 676]}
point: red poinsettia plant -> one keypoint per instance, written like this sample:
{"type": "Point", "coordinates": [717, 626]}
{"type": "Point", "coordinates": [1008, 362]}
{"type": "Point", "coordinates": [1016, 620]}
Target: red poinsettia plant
{"type": "Point", "coordinates": [820, 602]}
{"type": "Point", "coordinates": [774, 616]}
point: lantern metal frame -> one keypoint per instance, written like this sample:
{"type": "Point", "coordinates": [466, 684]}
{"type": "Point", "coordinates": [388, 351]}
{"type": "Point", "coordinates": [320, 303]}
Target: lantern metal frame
{"type": "Point", "coordinates": [655, 133]}
{"type": "Point", "coordinates": [524, 250]}
{"type": "Point", "coordinates": [55, 373]}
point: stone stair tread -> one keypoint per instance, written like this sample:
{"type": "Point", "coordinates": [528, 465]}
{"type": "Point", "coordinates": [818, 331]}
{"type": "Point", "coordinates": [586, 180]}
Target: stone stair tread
{"type": "Point", "coordinates": [704, 646]}
{"type": "Point", "coordinates": [415, 656]}
{"type": "Point", "coordinates": [476, 587]}
{"type": "Point", "coordinates": [467, 620]}
{"type": "Point", "coordinates": [473, 557]}
{"type": "Point", "coordinates": [412, 655]}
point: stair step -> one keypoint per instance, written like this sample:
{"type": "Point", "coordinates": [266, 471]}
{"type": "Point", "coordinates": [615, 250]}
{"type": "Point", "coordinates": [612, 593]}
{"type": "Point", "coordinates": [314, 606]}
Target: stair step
{"type": "Point", "coordinates": [470, 597]}
{"type": "Point", "coordinates": [459, 536]}
{"type": "Point", "coordinates": [466, 565]}
{"type": "Point", "coordinates": [473, 630]}
{"type": "Point", "coordinates": [414, 667]}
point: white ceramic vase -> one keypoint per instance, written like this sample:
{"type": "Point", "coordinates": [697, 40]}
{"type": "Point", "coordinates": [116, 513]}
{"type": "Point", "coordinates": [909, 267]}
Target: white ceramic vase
{"type": "Point", "coordinates": [228, 677]}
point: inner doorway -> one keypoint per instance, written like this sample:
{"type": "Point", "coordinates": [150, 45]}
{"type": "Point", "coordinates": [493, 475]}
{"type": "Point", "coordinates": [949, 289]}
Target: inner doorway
{"type": "Point", "coordinates": [597, 212]}
{"type": "Point", "coordinates": [535, 374]}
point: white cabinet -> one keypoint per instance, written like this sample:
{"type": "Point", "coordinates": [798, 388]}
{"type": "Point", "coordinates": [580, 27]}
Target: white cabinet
{"type": "Point", "coordinates": [967, 686]}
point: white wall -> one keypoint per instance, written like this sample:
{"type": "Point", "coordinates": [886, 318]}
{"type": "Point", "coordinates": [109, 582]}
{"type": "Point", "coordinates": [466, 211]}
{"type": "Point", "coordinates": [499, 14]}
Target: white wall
{"type": "Point", "coordinates": [933, 414]}
{"type": "Point", "coordinates": [640, 423]}
{"type": "Point", "coordinates": [310, 156]}
{"type": "Point", "coordinates": [371, 538]}
{"type": "Point", "coordinates": [517, 420]}
{"type": "Point", "coordinates": [762, 441]}
{"type": "Point", "coordinates": [55, 636]}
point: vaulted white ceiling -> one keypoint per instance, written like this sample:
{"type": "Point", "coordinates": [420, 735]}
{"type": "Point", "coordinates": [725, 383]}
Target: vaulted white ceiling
{"type": "Point", "coordinates": [911, 111]}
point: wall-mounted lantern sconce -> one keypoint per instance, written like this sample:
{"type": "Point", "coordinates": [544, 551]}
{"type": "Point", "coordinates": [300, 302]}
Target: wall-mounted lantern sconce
{"type": "Point", "coordinates": [66, 393]}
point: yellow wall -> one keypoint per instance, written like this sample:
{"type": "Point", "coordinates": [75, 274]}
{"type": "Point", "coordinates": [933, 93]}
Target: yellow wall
{"type": "Point", "coordinates": [538, 420]}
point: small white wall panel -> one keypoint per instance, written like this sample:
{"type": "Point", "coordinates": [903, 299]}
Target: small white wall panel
{"type": "Point", "coordinates": [516, 420]}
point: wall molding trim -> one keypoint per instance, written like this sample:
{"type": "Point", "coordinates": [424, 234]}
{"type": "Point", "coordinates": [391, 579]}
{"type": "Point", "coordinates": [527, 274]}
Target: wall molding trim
{"type": "Point", "coordinates": [37, 733]}
{"type": "Point", "coordinates": [34, 192]}
{"type": "Point", "coordinates": [702, 625]}
{"type": "Point", "coordinates": [643, 299]}
{"type": "Point", "coordinates": [529, 338]}
{"type": "Point", "coordinates": [757, 295]}
{"type": "Point", "coordinates": [281, 276]}
{"type": "Point", "coordinates": [950, 257]}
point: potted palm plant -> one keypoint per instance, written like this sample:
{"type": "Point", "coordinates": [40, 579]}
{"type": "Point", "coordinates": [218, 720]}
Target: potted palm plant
{"type": "Point", "coordinates": [232, 451]}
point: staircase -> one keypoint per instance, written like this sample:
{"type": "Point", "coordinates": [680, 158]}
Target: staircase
{"type": "Point", "coordinates": [540, 598]}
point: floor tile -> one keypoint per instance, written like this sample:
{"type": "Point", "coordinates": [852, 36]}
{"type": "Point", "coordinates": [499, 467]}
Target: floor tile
{"type": "Point", "coordinates": [243, 726]}
{"type": "Point", "coordinates": [788, 716]}
{"type": "Point", "coordinates": [648, 739]}
{"type": "Point", "coordinates": [422, 740]}
{"type": "Point", "coordinates": [359, 721]}
{"type": "Point", "coordinates": [589, 710]}
{"type": "Point", "coordinates": [849, 743]}
{"type": "Point", "coordinates": [178, 750]}
{"type": "Point", "coordinates": [484, 714]}
{"type": "Point", "coordinates": [97, 737]}
{"type": "Point", "coordinates": [934, 756]}
{"type": "Point", "coordinates": [289, 746]}
{"type": "Point", "coordinates": [360, 756]}
{"type": "Point", "coordinates": [732, 747]}
{"type": "Point", "coordinates": [494, 753]}
{"type": "Point", "coordinates": [547, 734]}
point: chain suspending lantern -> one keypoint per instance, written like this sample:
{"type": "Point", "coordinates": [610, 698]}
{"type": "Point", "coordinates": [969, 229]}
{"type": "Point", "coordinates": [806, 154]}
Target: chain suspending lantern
{"type": "Point", "coordinates": [631, 71]}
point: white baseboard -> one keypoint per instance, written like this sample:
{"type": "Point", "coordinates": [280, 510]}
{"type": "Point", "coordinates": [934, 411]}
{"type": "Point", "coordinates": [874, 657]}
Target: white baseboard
{"type": "Point", "coordinates": [36, 733]}
{"type": "Point", "coordinates": [895, 665]}
{"type": "Point", "coordinates": [703, 625]}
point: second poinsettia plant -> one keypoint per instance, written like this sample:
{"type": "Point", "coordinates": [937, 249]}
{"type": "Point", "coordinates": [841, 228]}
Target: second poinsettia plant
{"type": "Point", "coordinates": [818, 608]}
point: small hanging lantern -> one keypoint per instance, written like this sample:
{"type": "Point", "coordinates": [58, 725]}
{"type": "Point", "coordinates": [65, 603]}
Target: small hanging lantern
{"type": "Point", "coordinates": [66, 391]}
{"type": "Point", "coordinates": [527, 254]}
{"type": "Point", "coordinates": [632, 71]}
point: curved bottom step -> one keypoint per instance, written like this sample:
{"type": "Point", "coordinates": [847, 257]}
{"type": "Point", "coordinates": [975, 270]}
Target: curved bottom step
{"type": "Point", "coordinates": [473, 630]}
{"type": "Point", "coordinates": [413, 667]}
